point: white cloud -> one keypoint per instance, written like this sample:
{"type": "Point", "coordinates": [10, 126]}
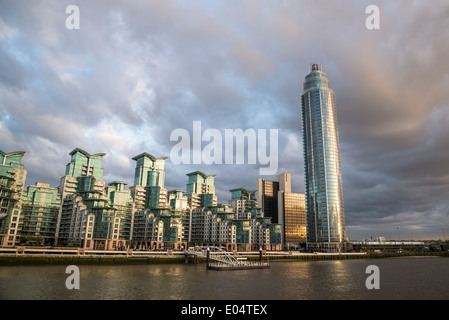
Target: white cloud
{"type": "Point", "coordinates": [5, 30]}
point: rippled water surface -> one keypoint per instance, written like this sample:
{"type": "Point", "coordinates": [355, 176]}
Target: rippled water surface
{"type": "Point", "coordinates": [400, 278]}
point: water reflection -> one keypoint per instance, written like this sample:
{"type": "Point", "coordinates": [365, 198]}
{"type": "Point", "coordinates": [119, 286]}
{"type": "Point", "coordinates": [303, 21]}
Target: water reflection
{"type": "Point", "coordinates": [345, 279]}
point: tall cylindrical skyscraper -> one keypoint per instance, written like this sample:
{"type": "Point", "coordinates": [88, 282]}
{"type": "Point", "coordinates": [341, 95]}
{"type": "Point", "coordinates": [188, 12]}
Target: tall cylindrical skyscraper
{"type": "Point", "coordinates": [322, 170]}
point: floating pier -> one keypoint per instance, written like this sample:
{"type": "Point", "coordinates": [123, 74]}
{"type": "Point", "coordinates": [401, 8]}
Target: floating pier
{"type": "Point", "coordinates": [239, 266]}
{"type": "Point", "coordinates": [223, 260]}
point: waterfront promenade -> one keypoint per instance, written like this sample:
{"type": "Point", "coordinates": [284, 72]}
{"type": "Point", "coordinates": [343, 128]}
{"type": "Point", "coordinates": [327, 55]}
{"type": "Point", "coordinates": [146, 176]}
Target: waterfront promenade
{"type": "Point", "coordinates": [134, 253]}
{"type": "Point", "coordinates": [43, 255]}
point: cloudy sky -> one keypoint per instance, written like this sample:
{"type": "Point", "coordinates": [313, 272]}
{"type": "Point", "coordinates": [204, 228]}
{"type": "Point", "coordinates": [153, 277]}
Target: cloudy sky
{"type": "Point", "coordinates": [137, 70]}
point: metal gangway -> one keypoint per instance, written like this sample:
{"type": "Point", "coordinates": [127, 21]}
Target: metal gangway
{"type": "Point", "coordinates": [215, 253]}
{"type": "Point", "coordinates": [225, 259]}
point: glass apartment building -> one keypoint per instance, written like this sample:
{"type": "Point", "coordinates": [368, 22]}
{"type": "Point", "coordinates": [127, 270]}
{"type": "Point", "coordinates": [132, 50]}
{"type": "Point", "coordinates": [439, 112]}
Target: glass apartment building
{"type": "Point", "coordinates": [12, 183]}
{"type": "Point", "coordinates": [322, 169]}
{"type": "Point", "coordinates": [40, 210]}
{"type": "Point", "coordinates": [87, 213]}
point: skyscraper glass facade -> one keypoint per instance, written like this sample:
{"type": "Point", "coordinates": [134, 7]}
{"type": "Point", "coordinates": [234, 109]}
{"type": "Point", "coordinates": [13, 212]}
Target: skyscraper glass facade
{"type": "Point", "coordinates": [322, 169]}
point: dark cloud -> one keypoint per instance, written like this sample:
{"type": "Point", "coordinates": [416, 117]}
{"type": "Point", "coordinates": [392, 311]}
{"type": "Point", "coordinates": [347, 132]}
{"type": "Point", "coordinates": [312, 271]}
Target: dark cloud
{"type": "Point", "coordinates": [136, 71]}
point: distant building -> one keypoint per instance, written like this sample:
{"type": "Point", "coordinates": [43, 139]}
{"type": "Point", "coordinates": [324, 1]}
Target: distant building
{"type": "Point", "coordinates": [285, 207]}
{"type": "Point", "coordinates": [267, 198]}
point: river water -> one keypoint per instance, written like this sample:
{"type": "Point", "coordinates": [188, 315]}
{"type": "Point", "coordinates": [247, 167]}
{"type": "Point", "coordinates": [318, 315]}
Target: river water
{"type": "Point", "coordinates": [400, 278]}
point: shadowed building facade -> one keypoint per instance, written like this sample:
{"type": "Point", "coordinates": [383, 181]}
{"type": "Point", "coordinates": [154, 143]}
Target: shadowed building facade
{"type": "Point", "coordinates": [267, 198]}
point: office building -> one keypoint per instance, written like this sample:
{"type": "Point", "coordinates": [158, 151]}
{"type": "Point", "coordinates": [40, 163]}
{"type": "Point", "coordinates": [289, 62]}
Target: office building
{"type": "Point", "coordinates": [267, 198]}
{"type": "Point", "coordinates": [293, 220]}
{"type": "Point", "coordinates": [287, 208]}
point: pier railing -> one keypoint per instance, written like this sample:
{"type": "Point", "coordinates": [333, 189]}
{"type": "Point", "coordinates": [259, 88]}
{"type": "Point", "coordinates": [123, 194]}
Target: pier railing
{"type": "Point", "coordinates": [223, 260]}
{"type": "Point", "coordinates": [215, 253]}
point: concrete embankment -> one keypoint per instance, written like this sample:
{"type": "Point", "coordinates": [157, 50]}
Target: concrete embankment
{"type": "Point", "coordinates": [87, 259]}
{"type": "Point", "coordinates": [322, 256]}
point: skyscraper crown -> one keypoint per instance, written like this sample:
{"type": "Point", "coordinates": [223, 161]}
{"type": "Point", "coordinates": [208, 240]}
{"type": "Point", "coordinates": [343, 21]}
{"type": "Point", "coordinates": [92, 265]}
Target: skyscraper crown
{"type": "Point", "coordinates": [316, 77]}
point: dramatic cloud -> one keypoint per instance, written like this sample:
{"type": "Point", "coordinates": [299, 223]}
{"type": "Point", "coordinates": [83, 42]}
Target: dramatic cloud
{"type": "Point", "coordinates": [136, 71]}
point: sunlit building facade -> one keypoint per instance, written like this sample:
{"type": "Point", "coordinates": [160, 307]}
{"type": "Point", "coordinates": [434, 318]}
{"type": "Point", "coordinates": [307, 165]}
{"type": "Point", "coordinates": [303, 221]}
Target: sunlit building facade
{"type": "Point", "coordinates": [159, 215]}
{"type": "Point", "coordinates": [40, 210]}
{"type": "Point", "coordinates": [92, 216]}
{"type": "Point", "coordinates": [200, 190]}
{"type": "Point", "coordinates": [150, 174]}
{"type": "Point", "coordinates": [293, 213]}
{"type": "Point", "coordinates": [87, 213]}
{"type": "Point", "coordinates": [242, 201]}
{"type": "Point", "coordinates": [322, 169]}
{"type": "Point", "coordinates": [278, 202]}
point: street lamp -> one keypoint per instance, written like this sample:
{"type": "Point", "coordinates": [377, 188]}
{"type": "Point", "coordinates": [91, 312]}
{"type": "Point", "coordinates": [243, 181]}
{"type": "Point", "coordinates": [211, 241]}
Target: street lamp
{"type": "Point", "coordinates": [400, 244]}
